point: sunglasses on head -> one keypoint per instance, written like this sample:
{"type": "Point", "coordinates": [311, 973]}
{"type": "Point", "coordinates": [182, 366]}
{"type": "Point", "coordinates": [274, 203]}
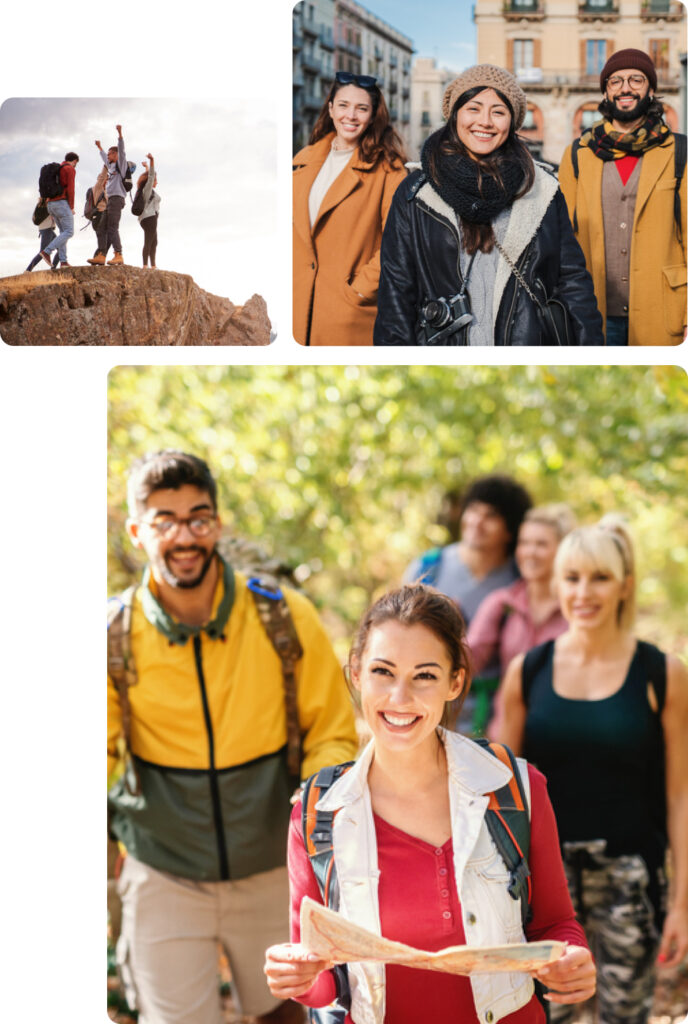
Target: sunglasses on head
{"type": "Point", "coordinates": [349, 78]}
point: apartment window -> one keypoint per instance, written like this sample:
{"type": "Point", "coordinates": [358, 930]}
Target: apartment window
{"type": "Point", "coordinates": [595, 56]}
{"type": "Point", "coordinates": [588, 118]}
{"type": "Point", "coordinates": [659, 52]}
{"type": "Point", "coordinates": [529, 120]}
{"type": "Point", "coordinates": [523, 54]}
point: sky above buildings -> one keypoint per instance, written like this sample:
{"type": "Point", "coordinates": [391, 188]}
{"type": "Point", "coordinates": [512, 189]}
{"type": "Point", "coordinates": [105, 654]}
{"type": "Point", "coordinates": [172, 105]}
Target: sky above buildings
{"type": "Point", "coordinates": [217, 170]}
{"type": "Point", "coordinates": [439, 28]}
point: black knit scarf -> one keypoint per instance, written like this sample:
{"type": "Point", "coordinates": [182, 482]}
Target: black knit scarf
{"type": "Point", "coordinates": [609, 144]}
{"type": "Point", "coordinates": [476, 197]}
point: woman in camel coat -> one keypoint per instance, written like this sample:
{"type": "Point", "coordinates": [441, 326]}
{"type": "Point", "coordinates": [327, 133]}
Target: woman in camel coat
{"type": "Point", "coordinates": [343, 187]}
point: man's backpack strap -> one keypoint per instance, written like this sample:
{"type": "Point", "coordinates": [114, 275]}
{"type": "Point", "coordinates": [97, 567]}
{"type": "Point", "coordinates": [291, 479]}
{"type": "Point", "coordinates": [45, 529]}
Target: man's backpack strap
{"type": "Point", "coordinates": [575, 146]}
{"type": "Point", "coordinates": [680, 148]}
{"type": "Point", "coordinates": [120, 663]}
{"type": "Point", "coordinates": [273, 612]}
{"type": "Point", "coordinates": [508, 821]}
{"type": "Point", "coordinates": [317, 838]}
{"type": "Point", "coordinates": [429, 566]}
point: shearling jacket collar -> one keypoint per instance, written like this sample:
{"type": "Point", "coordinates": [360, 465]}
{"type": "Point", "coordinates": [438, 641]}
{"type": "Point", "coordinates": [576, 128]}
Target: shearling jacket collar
{"type": "Point", "coordinates": [524, 219]}
{"type": "Point", "coordinates": [473, 769]}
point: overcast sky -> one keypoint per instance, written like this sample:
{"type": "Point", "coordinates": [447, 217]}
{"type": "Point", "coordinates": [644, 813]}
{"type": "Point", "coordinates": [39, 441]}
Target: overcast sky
{"type": "Point", "coordinates": [216, 167]}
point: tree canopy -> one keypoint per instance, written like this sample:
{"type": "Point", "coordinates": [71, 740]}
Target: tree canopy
{"type": "Point", "coordinates": [339, 471]}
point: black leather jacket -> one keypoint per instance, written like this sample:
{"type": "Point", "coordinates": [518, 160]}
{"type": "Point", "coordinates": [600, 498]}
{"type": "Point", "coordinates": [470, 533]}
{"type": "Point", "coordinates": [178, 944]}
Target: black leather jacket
{"type": "Point", "coordinates": [420, 261]}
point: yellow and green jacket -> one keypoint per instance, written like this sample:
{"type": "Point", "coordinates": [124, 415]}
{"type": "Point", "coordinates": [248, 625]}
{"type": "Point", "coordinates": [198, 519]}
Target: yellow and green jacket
{"type": "Point", "coordinates": [208, 734]}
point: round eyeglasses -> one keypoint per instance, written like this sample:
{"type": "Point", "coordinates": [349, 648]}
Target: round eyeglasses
{"type": "Point", "coordinates": [169, 526]}
{"type": "Point", "coordinates": [636, 81]}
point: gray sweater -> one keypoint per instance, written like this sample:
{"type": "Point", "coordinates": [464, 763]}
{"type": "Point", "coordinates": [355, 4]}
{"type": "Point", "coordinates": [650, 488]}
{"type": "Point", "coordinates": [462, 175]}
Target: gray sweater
{"type": "Point", "coordinates": [116, 171]}
{"type": "Point", "coordinates": [151, 199]}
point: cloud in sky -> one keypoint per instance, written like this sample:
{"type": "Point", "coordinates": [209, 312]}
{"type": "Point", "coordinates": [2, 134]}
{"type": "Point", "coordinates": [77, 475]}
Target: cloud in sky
{"type": "Point", "coordinates": [217, 178]}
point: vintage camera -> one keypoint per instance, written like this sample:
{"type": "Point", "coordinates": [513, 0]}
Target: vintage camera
{"type": "Point", "coordinates": [443, 319]}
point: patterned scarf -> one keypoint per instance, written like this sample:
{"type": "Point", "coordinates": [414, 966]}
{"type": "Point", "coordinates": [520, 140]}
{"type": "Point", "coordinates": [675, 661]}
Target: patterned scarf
{"type": "Point", "coordinates": [609, 144]}
{"type": "Point", "coordinates": [477, 200]}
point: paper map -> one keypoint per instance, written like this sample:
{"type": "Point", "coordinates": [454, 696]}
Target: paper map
{"type": "Point", "coordinates": [337, 940]}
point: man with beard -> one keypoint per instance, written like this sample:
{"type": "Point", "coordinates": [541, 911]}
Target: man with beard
{"type": "Point", "coordinates": [491, 511]}
{"type": "Point", "coordinates": [203, 806]}
{"type": "Point", "coordinates": [625, 189]}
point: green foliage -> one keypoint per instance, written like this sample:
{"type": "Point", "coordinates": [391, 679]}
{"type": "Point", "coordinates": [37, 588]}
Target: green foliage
{"type": "Point", "coordinates": [339, 471]}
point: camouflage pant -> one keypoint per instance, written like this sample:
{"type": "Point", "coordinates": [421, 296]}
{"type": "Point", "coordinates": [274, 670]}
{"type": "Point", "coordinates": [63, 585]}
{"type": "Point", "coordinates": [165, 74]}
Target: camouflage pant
{"type": "Point", "coordinates": [611, 901]}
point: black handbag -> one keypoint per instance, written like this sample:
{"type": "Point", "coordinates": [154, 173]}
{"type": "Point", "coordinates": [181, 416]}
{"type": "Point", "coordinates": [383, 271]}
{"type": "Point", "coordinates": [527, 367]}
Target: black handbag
{"type": "Point", "coordinates": [40, 213]}
{"type": "Point", "coordinates": [553, 315]}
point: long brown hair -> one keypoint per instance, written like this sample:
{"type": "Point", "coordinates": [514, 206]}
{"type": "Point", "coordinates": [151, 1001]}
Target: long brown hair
{"type": "Point", "coordinates": [378, 142]}
{"type": "Point", "coordinates": [513, 149]}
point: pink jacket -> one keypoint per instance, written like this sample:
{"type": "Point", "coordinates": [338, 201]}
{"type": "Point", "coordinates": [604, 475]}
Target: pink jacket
{"type": "Point", "coordinates": [503, 624]}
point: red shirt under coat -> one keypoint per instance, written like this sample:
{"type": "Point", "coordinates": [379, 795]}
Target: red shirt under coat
{"type": "Point", "coordinates": [419, 905]}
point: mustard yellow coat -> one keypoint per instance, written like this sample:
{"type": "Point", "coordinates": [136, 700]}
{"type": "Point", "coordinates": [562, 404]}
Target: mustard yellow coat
{"type": "Point", "coordinates": [340, 257]}
{"type": "Point", "coordinates": [657, 303]}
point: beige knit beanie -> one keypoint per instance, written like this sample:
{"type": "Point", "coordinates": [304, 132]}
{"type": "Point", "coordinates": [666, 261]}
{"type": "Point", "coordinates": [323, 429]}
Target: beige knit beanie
{"type": "Point", "coordinates": [490, 77]}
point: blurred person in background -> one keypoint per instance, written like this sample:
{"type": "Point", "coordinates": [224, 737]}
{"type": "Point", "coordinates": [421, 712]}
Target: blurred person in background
{"type": "Point", "coordinates": [344, 181]}
{"type": "Point", "coordinates": [468, 570]}
{"type": "Point", "coordinates": [515, 618]}
{"type": "Point", "coordinates": [605, 717]}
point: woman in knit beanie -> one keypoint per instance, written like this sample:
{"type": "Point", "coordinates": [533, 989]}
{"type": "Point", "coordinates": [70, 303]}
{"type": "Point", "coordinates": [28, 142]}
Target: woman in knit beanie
{"type": "Point", "coordinates": [478, 238]}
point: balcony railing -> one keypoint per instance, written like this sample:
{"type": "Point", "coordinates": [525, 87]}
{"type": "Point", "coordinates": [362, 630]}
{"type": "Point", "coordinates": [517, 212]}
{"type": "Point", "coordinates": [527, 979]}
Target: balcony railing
{"type": "Point", "coordinates": [514, 10]}
{"type": "Point", "coordinates": [311, 63]}
{"type": "Point", "coordinates": [311, 102]}
{"type": "Point", "coordinates": [309, 28]}
{"type": "Point", "coordinates": [664, 10]}
{"type": "Point", "coordinates": [326, 38]}
{"type": "Point", "coordinates": [297, 38]}
{"type": "Point", "coordinates": [393, 60]}
{"type": "Point", "coordinates": [592, 10]}
{"type": "Point", "coordinates": [547, 79]}
{"type": "Point", "coordinates": [393, 86]}
{"type": "Point", "coordinates": [405, 117]}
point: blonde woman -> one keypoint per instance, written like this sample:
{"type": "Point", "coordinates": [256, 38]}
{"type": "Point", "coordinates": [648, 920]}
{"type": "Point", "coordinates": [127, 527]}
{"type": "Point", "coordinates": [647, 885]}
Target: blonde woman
{"type": "Point", "coordinates": [605, 717]}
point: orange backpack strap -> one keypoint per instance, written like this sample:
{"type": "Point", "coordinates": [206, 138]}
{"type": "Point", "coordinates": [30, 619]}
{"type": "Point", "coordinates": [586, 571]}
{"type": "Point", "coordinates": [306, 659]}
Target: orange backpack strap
{"type": "Point", "coordinates": [508, 820]}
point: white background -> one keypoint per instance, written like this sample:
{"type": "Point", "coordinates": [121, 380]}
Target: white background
{"type": "Point", "coordinates": [53, 498]}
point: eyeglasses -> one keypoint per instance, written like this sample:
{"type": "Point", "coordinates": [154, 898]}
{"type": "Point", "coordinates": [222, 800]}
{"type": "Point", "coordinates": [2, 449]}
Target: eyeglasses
{"type": "Point", "coordinates": [349, 78]}
{"type": "Point", "coordinates": [616, 81]}
{"type": "Point", "coordinates": [169, 526]}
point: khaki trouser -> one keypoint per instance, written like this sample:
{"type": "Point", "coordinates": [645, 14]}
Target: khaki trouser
{"type": "Point", "coordinates": [167, 952]}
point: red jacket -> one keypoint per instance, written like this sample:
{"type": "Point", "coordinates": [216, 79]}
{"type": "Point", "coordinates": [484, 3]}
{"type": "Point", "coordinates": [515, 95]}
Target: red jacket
{"type": "Point", "coordinates": [67, 176]}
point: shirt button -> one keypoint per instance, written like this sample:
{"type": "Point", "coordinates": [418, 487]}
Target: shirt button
{"type": "Point", "coordinates": [624, 251]}
{"type": "Point", "coordinates": [622, 224]}
{"type": "Point", "coordinates": [489, 1017]}
{"type": "Point", "coordinates": [471, 918]}
{"type": "Point", "coordinates": [438, 853]}
{"type": "Point", "coordinates": [625, 309]}
{"type": "Point", "coordinates": [624, 198]}
{"type": "Point", "coordinates": [624, 279]}
{"type": "Point", "coordinates": [446, 914]}
{"type": "Point", "coordinates": [443, 871]}
{"type": "Point", "coordinates": [444, 892]}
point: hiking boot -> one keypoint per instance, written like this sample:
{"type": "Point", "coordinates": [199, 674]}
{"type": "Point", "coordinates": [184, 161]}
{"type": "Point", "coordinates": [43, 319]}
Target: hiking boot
{"type": "Point", "coordinates": [98, 260]}
{"type": "Point", "coordinates": [65, 264]}
{"type": "Point", "coordinates": [116, 260]}
{"type": "Point", "coordinates": [46, 257]}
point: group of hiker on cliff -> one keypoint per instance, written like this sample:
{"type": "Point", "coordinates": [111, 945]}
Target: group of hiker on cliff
{"type": "Point", "coordinates": [105, 200]}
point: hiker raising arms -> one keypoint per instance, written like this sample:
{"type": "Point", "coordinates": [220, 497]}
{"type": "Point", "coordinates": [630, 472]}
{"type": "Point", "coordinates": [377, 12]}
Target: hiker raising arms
{"type": "Point", "coordinates": [344, 181]}
{"type": "Point", "coordinates": [146, 206]}
{"type": "Point", "coordinates": [99, 221]}
{"type": "Point", "coordinates": [116, 162]}
{"type": "Point", "coordinates": [412, 852]}
{"type": "Point", "coordinates": [605, 716]}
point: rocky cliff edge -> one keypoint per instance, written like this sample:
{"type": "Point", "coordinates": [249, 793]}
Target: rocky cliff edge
{"type": "Point", "coordinates": [123, 306]}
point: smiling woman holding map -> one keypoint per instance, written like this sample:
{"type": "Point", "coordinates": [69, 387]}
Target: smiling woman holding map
{"type": "Point", "coordinates": [427, 840]}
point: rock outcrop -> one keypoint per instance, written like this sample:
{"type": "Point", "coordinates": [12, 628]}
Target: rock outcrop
{"type": "Point", "coordinates": [123, 306]}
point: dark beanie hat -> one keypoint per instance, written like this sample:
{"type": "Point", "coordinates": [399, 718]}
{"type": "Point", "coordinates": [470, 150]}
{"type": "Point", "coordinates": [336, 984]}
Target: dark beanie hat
{"type": "Point", "coordinates": [629, 59]}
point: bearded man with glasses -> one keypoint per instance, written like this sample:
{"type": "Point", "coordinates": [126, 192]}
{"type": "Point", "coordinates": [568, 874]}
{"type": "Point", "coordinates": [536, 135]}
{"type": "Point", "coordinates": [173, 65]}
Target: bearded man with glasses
{"type": "Point", "coordinates": [203, 806]}
{"type": "Point", "coordinates": [625, 188]}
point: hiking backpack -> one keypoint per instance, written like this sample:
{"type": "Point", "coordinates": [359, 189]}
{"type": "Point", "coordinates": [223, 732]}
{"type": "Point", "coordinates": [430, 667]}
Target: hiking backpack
{"type": "Point", "coordinates": [126, 178]}
{"type": "Point", "coordinates": [49, 185]}
{"type": "Point", "coordinates": [680, 148]}
{"type": "Point", "coordinates": [508, 821]}
{"type": "Point", "coordinates": [90, 208]}
{"type": "Point", "coordinates": [429, 566]}
{"type": "Point", "coordinates": [138, 204]}
{"type": "Point", "coordinates": [276, 619]}
{"type": "Point", "coordinates": [40, 212]}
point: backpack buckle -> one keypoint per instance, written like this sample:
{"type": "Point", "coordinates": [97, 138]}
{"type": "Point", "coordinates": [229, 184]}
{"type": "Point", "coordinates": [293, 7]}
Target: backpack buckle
{"type": "Point", "coordinates": [259, 587]}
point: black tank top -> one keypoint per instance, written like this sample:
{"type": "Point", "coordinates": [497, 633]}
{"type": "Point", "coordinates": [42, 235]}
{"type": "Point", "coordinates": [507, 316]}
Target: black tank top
{"type": "Point", "coordinates": [604, 759]}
